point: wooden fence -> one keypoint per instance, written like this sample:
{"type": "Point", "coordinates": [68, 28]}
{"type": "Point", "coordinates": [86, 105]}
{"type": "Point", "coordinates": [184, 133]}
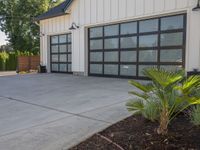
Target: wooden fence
{"type": "Point", "coordinates": [27, 63]}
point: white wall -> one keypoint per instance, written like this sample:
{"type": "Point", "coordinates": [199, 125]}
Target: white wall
{"type": "Point", "coordinates": [87, 13]}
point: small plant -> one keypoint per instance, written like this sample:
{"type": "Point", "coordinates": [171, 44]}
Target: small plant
{"type": "Point", "coordinates": [173, 92]}
{"type": "Point", "coordinates": [149, 109]}
{"type": "Point", "coordinates": [195, 115]}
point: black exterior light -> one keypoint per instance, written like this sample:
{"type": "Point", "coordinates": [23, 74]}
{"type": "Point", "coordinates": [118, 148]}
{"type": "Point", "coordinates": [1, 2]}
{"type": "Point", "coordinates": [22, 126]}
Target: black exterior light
{"type": "Point", "coordinates": [74, 26]}
{"type": "Point", "coordinates": [197, 8]}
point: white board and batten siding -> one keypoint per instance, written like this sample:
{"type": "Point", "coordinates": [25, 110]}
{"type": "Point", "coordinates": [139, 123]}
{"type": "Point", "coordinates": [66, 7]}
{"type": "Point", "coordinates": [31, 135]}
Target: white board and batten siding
{"type": "Point", "coordinates": [89, 13]}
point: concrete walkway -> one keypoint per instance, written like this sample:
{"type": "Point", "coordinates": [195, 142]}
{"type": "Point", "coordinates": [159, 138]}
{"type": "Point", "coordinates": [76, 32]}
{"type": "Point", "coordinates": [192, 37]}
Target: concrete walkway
{"type": "Point", "coordinates": [7, 73]}
{"type": "Point", "coordinates": [56, 111]}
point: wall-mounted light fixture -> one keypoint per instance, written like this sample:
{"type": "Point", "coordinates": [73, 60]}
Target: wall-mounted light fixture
{"type": "Point", "coordinates": [42, 34]}
{"type": "Point", "coordinates": [197, 8]}
{"type": "Point", "coordinates": [74, 26]}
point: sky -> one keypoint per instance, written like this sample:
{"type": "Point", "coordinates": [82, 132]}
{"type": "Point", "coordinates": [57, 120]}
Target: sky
{"type": "Point", "coordinates": [2, 38]}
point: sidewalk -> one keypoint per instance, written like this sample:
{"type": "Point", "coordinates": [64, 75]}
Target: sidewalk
{"type": "Point", "coordinates": [7, 73]}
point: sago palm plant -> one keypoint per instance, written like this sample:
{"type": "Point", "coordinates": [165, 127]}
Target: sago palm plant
{"type": "Point", "coordinates": [171, 90]}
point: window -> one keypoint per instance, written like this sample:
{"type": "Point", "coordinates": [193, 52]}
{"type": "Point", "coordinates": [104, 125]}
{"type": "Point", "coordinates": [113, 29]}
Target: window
{"type": "Point", "coordinates": [54, 39]}
{"type": "Point", "coordinates": [96, 68]}
{"type": "Point", "coordinates": [111, 30]}
{"type": "Point", "coordinates": [128, 42]}
{"type": "Point", "coordinates": [126, 49]}
{"type": "Point", "coordinates": [170, 23]}
{"type": "Point", "coordinates": [63, 39]}
{"type": "Point", "coordinates": [172, 55]}
{"type": "Point", "coordinates": [111, 43]}
{"type": "Point", "coordinates": [111, 69]}
{"type": "Point", "coordinates": [96, 56]}
{"type": "Point", "coordinates": [171, 39]}
{"type": "Point", "coordinates": [128, 28]}
{"type": "Point", "coordinates": [149, 25]}
{"type": "Point", "coordinates": [148, 56]}
{"type": "Point", "coordinates": [96, 44]}
{"type": "Point", "coordinates": [128, 56]}
{"type": "Point", "coordinates": [96, 32]}
{"type": "Point", "coordinates": [111, 57]}
{"type": "Point", "coordinates": [128, 70]}
{"type": "Point", "coordinates": [148, 41]}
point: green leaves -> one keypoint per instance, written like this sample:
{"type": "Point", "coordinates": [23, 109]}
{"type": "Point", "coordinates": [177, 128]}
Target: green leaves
{"type": "Point", "coordinates": [169, 93]}
{"type": "Point", "coordinates": [16, 20]}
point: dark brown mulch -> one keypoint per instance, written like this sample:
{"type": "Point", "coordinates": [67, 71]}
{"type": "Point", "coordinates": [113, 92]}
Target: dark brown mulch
{"type": "Point", "coordinates": [137, 133]}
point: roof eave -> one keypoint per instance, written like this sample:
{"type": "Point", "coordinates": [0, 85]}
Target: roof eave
{"type": "Point", "coordinates": [49, 17]}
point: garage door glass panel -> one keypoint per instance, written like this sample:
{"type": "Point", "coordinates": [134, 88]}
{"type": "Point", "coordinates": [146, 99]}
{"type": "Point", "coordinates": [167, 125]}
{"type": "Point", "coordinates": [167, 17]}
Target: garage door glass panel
{"type": "Point", "coordinates": [54, 40]}
{"type": "Point", "coordinates": [111, 30]}
{"type": "Point", "coordinates": [96, 32]}
{"type": "Point", "coordinates": [96, 68]}
{"type": "Point", "coordinates": [63, 58]}
{"type": "Point", "coordinates": [172, 39]}
{"type": "Point", "coordinates": [96, 44]}
{"type": "Point", "coordinates": [171, 55]}
{"type": "Point", "coordinates": [111, 43]}
{"type": "Point", "coordinates": [63, 48]}
{"type": "Point", "coordinates": [149, 25]}
{"type": "Point", "coordinates": [54, 67]}
{"type": "Point", "coordinates": [111, 57]}
{"type": "Point", "coordinates": [171, 67]}
{"type": "Point", "coordinates": [63, 39]}
{"type": "Point", "coordinates": [54, 49]}
{"type": "Point", "coordinates": [148, 56]}
{"type": "Point", "coordinates": [54, 58]}
{"type": "Point", "coordinates": [128, 28]}
{"type": "Point", "coordinates": [148, 41]}
{"type": "Point", "coordinates": [128, 56]}
{"type": "Point", "coordinates": [174, 22]}
{"type": "Point", "coordinates": [111, 69]}
{"type": "Point", "coordinates": [128, 70]}
{"type": "Point", "coordinates": [129, 42]}
{"type": "Point", "coordinates": [63, 67]}
{"type": "Point", "coordinates": [96, 57]}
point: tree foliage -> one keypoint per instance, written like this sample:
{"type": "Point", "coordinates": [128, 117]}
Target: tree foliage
{"type": "Point", "coordinates": [16, 20]}
{"type": "Point", "coordinates": [171, 92]}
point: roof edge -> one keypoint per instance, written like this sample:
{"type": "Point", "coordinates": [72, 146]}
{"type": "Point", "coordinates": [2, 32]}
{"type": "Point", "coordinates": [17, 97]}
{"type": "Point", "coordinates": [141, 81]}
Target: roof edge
{"type": "Point", "coordinates": [63, 12]}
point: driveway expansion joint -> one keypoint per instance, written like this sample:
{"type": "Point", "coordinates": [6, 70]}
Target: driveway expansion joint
{"type": "Point", "coordinates": [57, 110]}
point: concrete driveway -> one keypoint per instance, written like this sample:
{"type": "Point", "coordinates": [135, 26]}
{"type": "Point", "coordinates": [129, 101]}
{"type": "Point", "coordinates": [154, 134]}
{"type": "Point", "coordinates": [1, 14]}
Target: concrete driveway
{"type": "Point", "coordinates": [56, 111]}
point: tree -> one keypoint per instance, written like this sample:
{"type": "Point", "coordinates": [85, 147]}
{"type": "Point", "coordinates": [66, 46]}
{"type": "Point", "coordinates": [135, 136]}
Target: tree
{"type": "Point", "coordinates": [16, 20]}
{"type": "Point", "coordinates": [172, 92]}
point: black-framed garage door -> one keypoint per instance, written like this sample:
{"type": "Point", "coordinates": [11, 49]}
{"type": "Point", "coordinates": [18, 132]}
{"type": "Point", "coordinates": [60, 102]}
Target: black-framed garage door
{"type": "Point", "coordinates": [125, 49]}
{"type": "Point", "coordinates": [61, 53]}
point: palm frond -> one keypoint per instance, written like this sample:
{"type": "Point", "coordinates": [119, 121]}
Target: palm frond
{"type": "Point", "coordinates": [136, 106]}
{"type": "Point", "coordinates": [162, 77]}
{"type": "Point", "coordinates": [190, 84]}
{"type": "Point", "coordinates": [144, 88]}
{"type": "Point", "coordinates": [141, 95]}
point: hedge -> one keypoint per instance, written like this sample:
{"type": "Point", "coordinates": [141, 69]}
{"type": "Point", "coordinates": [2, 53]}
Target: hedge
{"type": "Point", "coordinates": [11, 61]}
{"type": "Point", "coordinates": [10, 64]}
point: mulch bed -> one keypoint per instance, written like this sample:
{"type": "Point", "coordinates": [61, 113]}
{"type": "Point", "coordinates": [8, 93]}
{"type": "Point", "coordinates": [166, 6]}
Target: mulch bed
{"type": "Point", "coordinates": [137, 133]}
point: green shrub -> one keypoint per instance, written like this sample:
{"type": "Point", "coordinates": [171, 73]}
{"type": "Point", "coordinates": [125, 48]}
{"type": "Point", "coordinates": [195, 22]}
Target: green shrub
{"type": "Point", "coordinates": [173, 91]}
{"type": "Point", "coordinates": [195, 115]}
{"type": "Point", "coordinates": [149, 109]}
